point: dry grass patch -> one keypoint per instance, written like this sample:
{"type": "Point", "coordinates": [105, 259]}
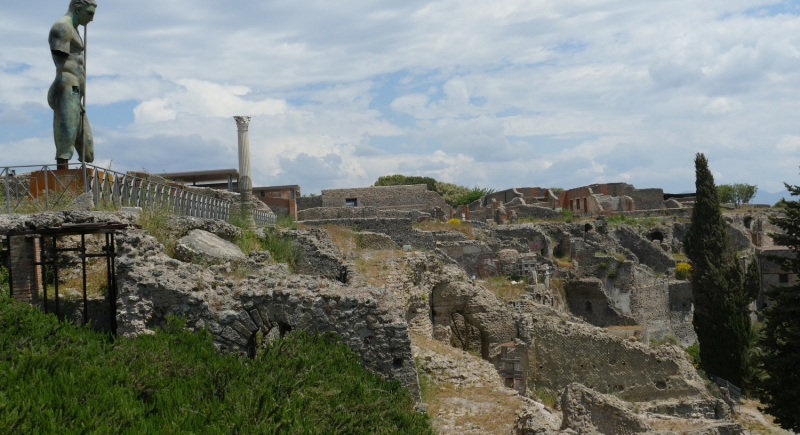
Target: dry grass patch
{"type": "Point", "coordinates": [472, 410]}
{"type": "Point", "coordinates": [376, 265]}
{"type": "Point", "coordinates": [754, 421]}
{"type": "Point", "coordinates": [343, 237]}
{"type": "Point", "coordinates": [504, 289]}
{"type": "Point", "coordinates": [680, 425]}
{"type": "Point", "coordinates": [434, 225]}
{"type": "Point", "coordinates": [565, 263]}
{"type": "Point", "coordinates": [96, 283]}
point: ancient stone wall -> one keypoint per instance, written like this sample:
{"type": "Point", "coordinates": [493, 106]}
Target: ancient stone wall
{"type": "Point", "coordinates": [681, 310]}
{"type": "Point", "coordinates": [647, 252]}
{"type": "Point", "coordinates": [650, 306]}
{"type": "Point", "coordinates": [410, 197]}
{"type": "Point", "coordinates": [537, 212]}
{"type": "Point", "coordinates": [321, 213]}
{"type": "Point", "coordinates": [153, 286]}
{"type": "Point", "coordinates": [587, 299]}
{"type": "Point", "coordinates": [306, 202]}
{"type": "Point", "coordinates": [562, 352]}
{"type": "Point", "coordinates": [400, 230]}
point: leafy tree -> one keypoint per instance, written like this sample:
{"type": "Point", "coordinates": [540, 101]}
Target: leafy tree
{"type": "Point", "coordinates": [475, 194]}
{"type": "Point", "coordinates": [726, 194]}
{"type": "Point", "coordinates": [451, 192]}
{"type": "Point", "coordinates": [721, 317]}
{"type": "Point", "coordinates": [781, 341]}
{"type": "Point", "coordinates": [737, 193]}
{"type": "Point", "coordinates": [744, 193]}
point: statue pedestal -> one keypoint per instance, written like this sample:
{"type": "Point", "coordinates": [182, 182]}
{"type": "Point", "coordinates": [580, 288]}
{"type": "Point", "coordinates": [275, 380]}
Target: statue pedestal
{"type": "Point", "coordinates": [54, 184]}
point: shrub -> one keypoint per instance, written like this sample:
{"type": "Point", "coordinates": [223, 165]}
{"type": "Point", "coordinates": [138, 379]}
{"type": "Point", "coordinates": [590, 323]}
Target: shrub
{"type": "Point", "coordinates": [454, 221]}
{"type": "Point", "coordinates": [694, 353]}
{"type": "Point", "coordinates": [603, 265]}
{"type": "Point", "coordinates": [60, 378]}
{"type": "Point", "coordinates": [683, 271]}
{"type": "Point", "coordinates": [612, 273]}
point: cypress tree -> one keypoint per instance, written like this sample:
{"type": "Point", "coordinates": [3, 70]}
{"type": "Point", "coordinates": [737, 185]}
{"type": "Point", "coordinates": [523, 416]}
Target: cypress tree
{"type": "Point", "coordinates": [781, 340]}
{"type": "Point", "coordinates": [721, 318]}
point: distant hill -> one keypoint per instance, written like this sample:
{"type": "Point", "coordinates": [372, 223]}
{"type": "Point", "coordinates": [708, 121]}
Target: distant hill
{"type": "Point", "coordinates": [770, 198]}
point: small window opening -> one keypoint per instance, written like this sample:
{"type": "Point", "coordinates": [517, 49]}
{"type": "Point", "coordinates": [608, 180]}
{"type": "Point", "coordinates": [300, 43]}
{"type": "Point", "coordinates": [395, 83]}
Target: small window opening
{"type": "Point", "coordinates": [351, 202]}
{"type": "Point", "coordinates": [783, 278]}
{"type": "Point", "coordinates": [588, 307]}
{"type": "Point", "coordinates": [748, 223]}
{"type": "Point", "coordinates": [656, 236]}
{"type": "Point", "coordinates": [588, 228]}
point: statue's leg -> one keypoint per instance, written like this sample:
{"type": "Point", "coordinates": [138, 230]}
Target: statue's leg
{"type": "Point", "coordinates": [85, 142]}
{"type": "Point", "coordinates": [66, 120]}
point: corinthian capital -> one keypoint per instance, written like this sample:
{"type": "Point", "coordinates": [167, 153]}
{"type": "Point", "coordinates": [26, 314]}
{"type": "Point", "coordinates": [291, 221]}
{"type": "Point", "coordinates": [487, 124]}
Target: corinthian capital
{"type": "Point", "coordinates": [243, 122]}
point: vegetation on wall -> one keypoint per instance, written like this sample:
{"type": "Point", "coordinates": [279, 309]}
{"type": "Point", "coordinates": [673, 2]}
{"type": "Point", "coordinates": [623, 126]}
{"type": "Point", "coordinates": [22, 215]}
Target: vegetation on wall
{"type": "Point", "coordinates": [721, 315]}
{"type": "Point", "coordinates": [453, 194]}
{"type": "Point", "coordinates": [781, 334]}
{"type": "Point", "coordinates": [59, 378]}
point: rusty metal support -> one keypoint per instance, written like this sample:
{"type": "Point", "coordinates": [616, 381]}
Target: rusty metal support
{"type": "Point", "coordinates": [83, 268]}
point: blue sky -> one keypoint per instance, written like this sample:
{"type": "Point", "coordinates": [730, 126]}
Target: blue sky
{"type": "Point", "coordinates": [502, 94]}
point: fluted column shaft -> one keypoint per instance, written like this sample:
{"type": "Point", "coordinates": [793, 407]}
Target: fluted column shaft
{"type": "Point", "coordinates": [245, 176]}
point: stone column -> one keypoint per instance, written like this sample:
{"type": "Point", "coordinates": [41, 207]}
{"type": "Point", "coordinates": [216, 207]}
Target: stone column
{"type": "Point", "coordinates": [245, 176]}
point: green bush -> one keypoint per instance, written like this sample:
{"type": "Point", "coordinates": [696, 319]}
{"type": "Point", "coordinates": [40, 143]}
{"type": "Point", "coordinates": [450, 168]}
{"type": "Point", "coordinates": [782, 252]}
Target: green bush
{"type": "Point", "coordinates": [59, 378]}
{"type": "Point", "coordinates": [694, 353]}
{"type": "Point", "coordinates": [612, 273]}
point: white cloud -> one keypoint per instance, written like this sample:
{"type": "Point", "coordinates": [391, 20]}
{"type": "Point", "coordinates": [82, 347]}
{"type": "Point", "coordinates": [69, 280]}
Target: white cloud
{"type": "Point", "coordinates": [499, 93]}
{"type": "Point", "coordinates": [788, 145]}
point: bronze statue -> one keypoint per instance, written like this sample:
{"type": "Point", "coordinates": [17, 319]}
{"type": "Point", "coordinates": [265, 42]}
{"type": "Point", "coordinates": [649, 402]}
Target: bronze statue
{"type": "Point", "coordinates": [68, 92]}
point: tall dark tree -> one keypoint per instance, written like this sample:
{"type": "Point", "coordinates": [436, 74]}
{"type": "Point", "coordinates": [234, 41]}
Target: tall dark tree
{"type": "Point", "coordinates": [781, 340]}
{"type": "Point", "coordinates": [721, 317]}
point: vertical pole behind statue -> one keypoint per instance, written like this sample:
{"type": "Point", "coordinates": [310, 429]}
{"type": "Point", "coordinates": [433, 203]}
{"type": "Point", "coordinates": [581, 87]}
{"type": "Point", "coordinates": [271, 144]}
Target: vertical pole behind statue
{"type": "Point", "coordinates": [245, 177]}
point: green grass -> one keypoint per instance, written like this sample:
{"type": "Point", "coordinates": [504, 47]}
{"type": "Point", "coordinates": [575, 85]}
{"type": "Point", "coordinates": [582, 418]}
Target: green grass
{"type": "Point", "coordinates": [547, 397]}
{"type": "Point", "coordinates": [280, 247]}
{"type": "Point", "coordinates": [155, 221]}
{"type": "Point", "coordinates": [56, 378]}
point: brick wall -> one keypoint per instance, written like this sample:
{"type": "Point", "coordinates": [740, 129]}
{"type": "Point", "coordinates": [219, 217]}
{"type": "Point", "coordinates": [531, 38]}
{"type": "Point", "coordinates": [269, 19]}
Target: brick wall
{"type": "Point", "coordinates": [26, 277]}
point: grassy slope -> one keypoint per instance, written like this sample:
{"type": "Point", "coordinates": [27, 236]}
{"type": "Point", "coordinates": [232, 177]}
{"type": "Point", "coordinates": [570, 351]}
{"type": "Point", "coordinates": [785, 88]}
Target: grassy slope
{"type": "Point", "coordinates": [58, 378]}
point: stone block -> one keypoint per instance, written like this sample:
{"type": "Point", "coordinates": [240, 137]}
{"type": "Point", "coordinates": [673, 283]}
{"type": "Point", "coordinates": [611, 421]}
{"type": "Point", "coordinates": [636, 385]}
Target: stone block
{"type": "Point", "coordinates": [204, 247]}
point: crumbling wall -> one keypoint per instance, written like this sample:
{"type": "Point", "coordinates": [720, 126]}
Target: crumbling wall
{"type": "Point", "coordinates": [681, 311]}
{"type": "Point", "coordinates": [562, 351]}
{"type": "Point", "coordinates": [475, 257]}
{"type": "Point", "coordinates": [646, 251]}
{"type": "Point", "coordinates": [152, 286]}
{"type": "Point", "coordinates": [488, 323]}
{"type": "Point", "coordinates": [530, 211]}
{"type": "Point", "coordinates": [650, 306]}
{"type": "Point", "coordinates": [588, 299]}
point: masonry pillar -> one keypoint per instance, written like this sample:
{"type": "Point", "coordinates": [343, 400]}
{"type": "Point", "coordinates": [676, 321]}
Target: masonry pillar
{"type": "Point", "coordinates": [245, 175]}
{"type": "Point", "coordinates": [26, 276]}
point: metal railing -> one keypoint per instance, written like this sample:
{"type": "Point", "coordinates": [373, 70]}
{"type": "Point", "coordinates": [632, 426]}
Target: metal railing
{"type": "Point", "coordinates": [734, 391]}
{"type": "Point", "coordinates": [41, 188]}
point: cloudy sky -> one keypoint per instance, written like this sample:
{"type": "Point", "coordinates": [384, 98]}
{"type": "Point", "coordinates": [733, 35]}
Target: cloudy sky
{"type": "Point", "coordinates": [498, 93]}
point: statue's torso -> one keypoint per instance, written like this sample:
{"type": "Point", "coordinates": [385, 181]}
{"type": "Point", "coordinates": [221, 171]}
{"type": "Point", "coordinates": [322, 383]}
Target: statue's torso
{"type": "Point", "coordinates": [64, 38]}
